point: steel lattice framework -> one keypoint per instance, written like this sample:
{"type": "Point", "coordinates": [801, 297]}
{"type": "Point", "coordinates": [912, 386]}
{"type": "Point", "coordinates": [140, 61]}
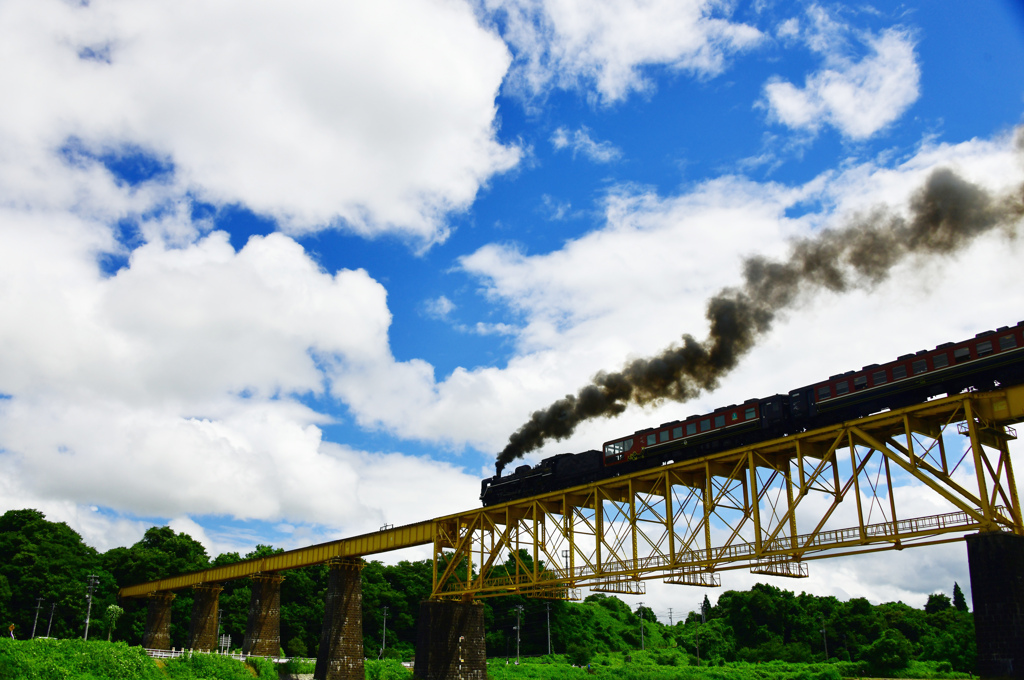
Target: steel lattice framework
{"type": "Point", "coordinates": [770, 507]}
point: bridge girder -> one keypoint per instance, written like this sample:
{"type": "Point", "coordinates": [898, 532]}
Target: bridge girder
{"type": "Point", "coordinates": [769, 507]}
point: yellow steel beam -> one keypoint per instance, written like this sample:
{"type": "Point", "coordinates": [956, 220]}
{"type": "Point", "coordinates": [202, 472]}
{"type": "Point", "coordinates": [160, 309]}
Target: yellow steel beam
{"type": "Point", "coordinates": [385, 540]}
{"type": "Point", "coordinates": [616, 531]}
{"type": "Point", "coordinates": [744, 508]}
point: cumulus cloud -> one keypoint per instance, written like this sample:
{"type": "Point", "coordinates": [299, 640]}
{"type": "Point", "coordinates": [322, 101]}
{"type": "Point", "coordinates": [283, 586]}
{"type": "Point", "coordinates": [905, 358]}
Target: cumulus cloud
{"type": "Point", "coordinates": [373, 117]}
{"type": "Point", "coordinates": [605, 46]}
{"type": "Point", "coordinates": [174, 386]}
{"type": "Point", "coordinates": [439, 307]}
{"type": "Point", "coordinates": [858, 97]}
{"type": "Point", "coordinates": [580, 142]}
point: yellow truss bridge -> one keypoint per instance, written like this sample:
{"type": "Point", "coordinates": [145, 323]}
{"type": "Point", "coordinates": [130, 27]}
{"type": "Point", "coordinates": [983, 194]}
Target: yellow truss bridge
{"type": "Point", "coordinates": [770, 507]}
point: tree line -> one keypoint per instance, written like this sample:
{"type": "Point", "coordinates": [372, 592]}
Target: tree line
{"type": "Point", "coordinates": [45, 568]}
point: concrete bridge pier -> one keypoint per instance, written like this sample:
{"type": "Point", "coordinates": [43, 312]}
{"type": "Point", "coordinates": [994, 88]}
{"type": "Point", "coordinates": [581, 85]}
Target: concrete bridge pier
{"type": "Point", "coordinates": [450, 641]}
{"type": "Point", "coordinates": [263, 631]}
{"type": "Point", "coordinates": [202, 632]}
{"type": "Point", "coordinates": [996, 561]}
{"type": "Point", "coordinates": [340, 655]}
{"type": "Point", "coordinates": [158, 621]}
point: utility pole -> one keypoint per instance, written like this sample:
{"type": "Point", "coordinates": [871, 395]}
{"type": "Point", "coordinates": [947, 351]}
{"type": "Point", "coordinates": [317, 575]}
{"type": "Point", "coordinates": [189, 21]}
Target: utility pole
{"type": "Point", "coordinates": [93, 580]}
{"type": "Point", "coordinates": [384, 635]}
{"type": "Point", "coordinates": [696, 638]}
{"type": "Point", "coordinates": [519, 611]}
{"type": "Point", "coordinates": [39, 605]}
{"type": "Point", "coordinates": [824, 636]}
{"type": "Point", "coordinates": [670, 617]}
{"type": "Point", "coordinates": [640, 608]}
{"type": "Point", "coordinates": [548, 606]}
{"type": "Point", "coordinates": [52, 607]}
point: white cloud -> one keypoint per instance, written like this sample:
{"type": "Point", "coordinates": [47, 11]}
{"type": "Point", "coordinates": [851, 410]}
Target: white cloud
{"type": "Point", "coordinates": [636, 284]}
{"type": "Point", "coordinates": [581, 142]}
{"type": "Point", "coordinates": [857, 97]}
{"type": "Point", "coordinates": [375, 117]}
{"type": "Point", "coordinates": [439, 308]}
{"type": "Point", "coordinates": [606, 45]}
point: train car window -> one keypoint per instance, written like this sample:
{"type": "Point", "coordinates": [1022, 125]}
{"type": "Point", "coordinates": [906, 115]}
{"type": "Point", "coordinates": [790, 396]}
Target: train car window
{"type": "Point", "coordinates": [677, 432]}
{"type": "Point", "coordinates": [842, 387]}
{"type": "Point", "coordinates": [691, 428]}
{"type": "Point", "coordinates": [1007, 342]}
{"type": "Point", "coordinates": [663, 436]}
{"type": "Point", "coordinates": [719, 421]}
{"type": "Point", "coordinates": [879, 378]}
{"type": "Point", "coordinates": [705, 425]}
{"type": "Point", "coordinates": [749, 414]}
{"type": "Point", "coordinates": [824, 392]}
{"type": "Point", "coordinates": [652, 439]}
{"type": "Point", "coordinates": [899, 372]}
{"type": "Point", "coordinates": [860, 382]}
{"type": "Point", "coordinates": [920, 366]}
{"type": "Point", "coordinates": [962, 354]}
{"type": "Point", "coordinates": [984, 348]}
{"type": "Point", "coordinates": [940, 360]}
{"type": "Point", "coordinates": [734, 416]}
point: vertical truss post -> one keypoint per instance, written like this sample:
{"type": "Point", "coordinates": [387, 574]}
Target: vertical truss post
{"type": "Point", "coordinates": [707, 512]}
{"type": "Point", "coordinates": [790, 504]}
{"type": "Point", "coordinates": [755, 501]}
{"type": "Point", "coordinates": [856, 483]}
{"type": "Point", "coordinates": [670, 524]}
{"type": "Point", "coordinates": [979, 465]}
{"type": "Point", "coordinates": [634, 560]}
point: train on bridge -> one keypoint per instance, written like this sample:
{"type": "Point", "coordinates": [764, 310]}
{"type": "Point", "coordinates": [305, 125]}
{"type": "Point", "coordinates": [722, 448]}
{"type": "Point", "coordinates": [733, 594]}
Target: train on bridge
{"type": "Point", "coordinates": [984, 362]}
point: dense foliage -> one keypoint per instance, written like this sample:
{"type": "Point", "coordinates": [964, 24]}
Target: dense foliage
{"type": "Point", "coordinates": [45, 565]}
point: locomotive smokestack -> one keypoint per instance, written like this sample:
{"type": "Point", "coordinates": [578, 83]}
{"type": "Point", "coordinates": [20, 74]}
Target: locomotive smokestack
{"type": "Point", "coordinates": [945, 214]}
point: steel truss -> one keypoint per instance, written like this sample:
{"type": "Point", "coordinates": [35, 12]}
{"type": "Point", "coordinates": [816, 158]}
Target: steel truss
{"type": "Point", "coordinates": [770, 507]}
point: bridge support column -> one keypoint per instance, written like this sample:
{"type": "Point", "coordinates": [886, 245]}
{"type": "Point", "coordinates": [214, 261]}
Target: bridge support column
{"type": "Point", "coordinates": [202, 633]}
{"type": "Point", "coordinates": [158, 621]}
{"type": "Point", "coordinates": [263, 632]}
{"type": "Point", "coordinates": [450, 641]}
{"type": "Point", "coordinates": [340, 655]}
{"type": "Point", "coordinates": [996, 561]}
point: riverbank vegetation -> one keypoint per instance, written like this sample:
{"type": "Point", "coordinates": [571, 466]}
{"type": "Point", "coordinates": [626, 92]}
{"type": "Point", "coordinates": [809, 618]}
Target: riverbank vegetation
{"type": "Point", "coordinates": [44, 567]}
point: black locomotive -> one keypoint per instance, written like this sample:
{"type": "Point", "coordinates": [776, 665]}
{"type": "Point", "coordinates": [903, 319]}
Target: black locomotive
{"type": "Point", "coordinates": [988, 360]}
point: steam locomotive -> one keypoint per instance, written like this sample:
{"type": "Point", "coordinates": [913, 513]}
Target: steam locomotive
{"type": "Point", "coordinates": [988, 360]}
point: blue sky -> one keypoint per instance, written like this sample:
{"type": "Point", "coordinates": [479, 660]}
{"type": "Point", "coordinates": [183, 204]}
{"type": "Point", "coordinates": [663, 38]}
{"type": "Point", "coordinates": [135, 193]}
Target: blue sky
{"type": "Point", "coordinates": [281, 274]}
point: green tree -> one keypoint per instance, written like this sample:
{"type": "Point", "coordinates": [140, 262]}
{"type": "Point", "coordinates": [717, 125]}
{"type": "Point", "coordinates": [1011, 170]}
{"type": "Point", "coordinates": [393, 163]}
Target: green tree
{"type": "Point", "coordinates": [937, 602]}
{"type": "Point", "coordinates": [959, 601]}
{"type": "Point", "coordinates": [43, 559]}
{"type": "Point", "coordinates": [113, 614]}
{"type": "Point", "coordinates": [889, 653]}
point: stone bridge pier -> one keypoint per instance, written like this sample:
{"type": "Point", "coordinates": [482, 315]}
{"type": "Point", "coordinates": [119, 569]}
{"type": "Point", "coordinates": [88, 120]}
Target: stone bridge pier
{"type": "Point", "coordinates": [450, 641]}
{"type": "Point", "coordinates": [263, 631]}
{"type": "Point", "coordinates": [158, 621]}
{"type": "Point", "coordinates": [340, 655]}
{"type": "Point", "coordinates": [203, 629]}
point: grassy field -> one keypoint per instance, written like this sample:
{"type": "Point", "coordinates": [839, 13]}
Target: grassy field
{"type": "Point", "coordinates": [97, 660]}
{"type": "Point", "coordinates": [669, 665]}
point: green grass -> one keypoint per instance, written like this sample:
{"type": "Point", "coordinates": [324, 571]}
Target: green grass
{"type": "Point", "coordinates": [660, 665]}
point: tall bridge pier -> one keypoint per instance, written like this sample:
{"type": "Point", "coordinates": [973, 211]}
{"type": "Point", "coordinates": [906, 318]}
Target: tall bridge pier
{"type": "Point", "coordinates": [203, 628]}
{"type": "Point", "coordinates": [340, 656]}
{"type": "Point", "coordinates": [996, 562]}
{"type": "Point", "coordinates": [450, 641]}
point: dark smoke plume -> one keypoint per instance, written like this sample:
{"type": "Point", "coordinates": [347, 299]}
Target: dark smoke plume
{"type": "Point", "coordinates": [945, 215]}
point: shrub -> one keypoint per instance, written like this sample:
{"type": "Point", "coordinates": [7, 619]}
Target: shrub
{"type": "Point", "coordinates": [386, 669]}
{"type": "Point", "coordinates": [203, 666]}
